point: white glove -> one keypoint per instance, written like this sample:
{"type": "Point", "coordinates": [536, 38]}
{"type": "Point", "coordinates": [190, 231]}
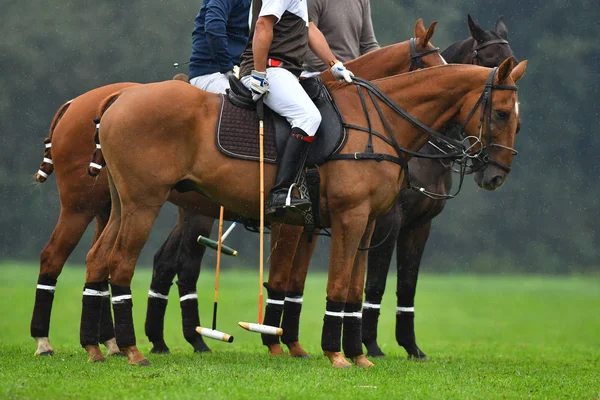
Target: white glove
{"type": "Point", "coordinates": [340, 72]}
{"type": "Point", "coordinates": [259, 84]}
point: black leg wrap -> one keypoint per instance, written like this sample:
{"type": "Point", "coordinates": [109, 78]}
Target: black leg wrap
{"type": "Point", "coordinates": [91, 312]}
{"type": "Point", "coordinates": [291, 317]}
{"type": "Point", "coordinates": [332, 327]}
{"type": "Point", "coordinates": [369, 331]}
{"type": "Point", "coordinates": [154, 325]}
{"type": "Point", "coordinates": [351, 340]}
{"type": "Point", "coordinates": [190, 318]}
{"type": "Point", "coordinates": [40, 321]}
{"type": "Point", "coordinates": [107, 329]}
{"type": "Point", "coordinates": [405, 334]}
{"type": "Point", "coordinates": [273, 311]}
{"type": "Point", "coordinates": [122, 307]}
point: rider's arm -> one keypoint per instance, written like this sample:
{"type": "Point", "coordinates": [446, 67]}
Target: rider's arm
{"type": "Point", "coordinates": [215, 27]}
{"type": "Point", "coordinates": [318, 44]}
{"type": "Point", "coordinates": [368, 42]}
{"type": "Point", "coordinates": [261, 43]}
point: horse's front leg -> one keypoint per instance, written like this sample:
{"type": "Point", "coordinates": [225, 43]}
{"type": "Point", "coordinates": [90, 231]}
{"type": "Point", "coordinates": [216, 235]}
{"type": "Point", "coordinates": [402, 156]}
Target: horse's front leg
{"type": "Point", "coordinates": [347, 229]}
{"type": "Point", "coordinates": [284, 240]}
{"type": "Point", "coordinates": [351, 341]}
{"type": "Point", "coordinates": [294, 295]}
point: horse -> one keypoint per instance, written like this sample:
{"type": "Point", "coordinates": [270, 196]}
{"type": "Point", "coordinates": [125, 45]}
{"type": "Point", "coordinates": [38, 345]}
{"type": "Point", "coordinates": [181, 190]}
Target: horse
{"type": "Point", "coordinates": [82, 199]}
{"type": "Point", "coordinates": [407, 225]}
{"type": "Point", "coordinates": [291, 250]}
{"type": "Point", "coordinates": [180, 143]}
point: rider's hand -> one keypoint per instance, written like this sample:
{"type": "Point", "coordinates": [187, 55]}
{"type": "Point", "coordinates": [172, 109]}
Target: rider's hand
{"type": "Point", "coordinates": [340, 72]}
{"type": "Point", "coordinates": [259, 84]}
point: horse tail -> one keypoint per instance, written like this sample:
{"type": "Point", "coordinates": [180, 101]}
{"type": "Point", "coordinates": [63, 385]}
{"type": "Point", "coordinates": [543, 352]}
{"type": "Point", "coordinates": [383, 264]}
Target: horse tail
{"type": "Point", "coordinates": [47, 166]}
{"type": "Point", "coordinates": [98, 161]}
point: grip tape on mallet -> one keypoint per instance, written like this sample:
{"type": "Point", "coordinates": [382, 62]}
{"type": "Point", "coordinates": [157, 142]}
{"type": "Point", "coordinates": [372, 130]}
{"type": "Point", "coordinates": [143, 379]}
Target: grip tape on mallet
{"type": "Point", "coordinates": [213, 244]}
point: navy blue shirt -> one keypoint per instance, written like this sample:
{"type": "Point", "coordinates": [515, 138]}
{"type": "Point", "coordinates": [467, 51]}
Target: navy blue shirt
{"type": "Point", "coordinates": [219, 37]}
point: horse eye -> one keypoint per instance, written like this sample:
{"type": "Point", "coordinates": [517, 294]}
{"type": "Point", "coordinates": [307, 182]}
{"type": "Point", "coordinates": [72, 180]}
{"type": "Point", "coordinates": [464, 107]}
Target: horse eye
{"type": "Point", "coordinates": [502, 115]}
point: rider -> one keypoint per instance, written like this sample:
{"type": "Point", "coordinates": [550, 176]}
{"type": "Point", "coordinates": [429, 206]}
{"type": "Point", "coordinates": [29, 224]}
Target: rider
{"type": "Point", "coordinates": [348, 30]}
{"type": "Point", "coordinates": [219, 36]}
{"type": "Point", "coordinates": [270, 65]}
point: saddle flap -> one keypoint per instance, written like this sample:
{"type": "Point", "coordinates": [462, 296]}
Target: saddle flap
{"type": "Point", "coordinates": [239, 94]}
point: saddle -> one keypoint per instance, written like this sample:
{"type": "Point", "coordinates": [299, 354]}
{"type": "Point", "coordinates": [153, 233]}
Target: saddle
{"type": "Point", "coordinates": [237, 126]}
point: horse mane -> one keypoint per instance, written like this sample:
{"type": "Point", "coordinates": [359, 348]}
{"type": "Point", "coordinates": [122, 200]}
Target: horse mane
{"type": "Point", "coordinates": [455, 52]}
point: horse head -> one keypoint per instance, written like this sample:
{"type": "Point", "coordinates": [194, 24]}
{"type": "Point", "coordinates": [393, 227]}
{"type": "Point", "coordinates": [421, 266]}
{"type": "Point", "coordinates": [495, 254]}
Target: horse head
{"type": "Point", "coordinates": [490, 47]}
{"type": "Point", "coordinates": [424, 53]}
{"type": "Point", "coordinates": [492, 122]}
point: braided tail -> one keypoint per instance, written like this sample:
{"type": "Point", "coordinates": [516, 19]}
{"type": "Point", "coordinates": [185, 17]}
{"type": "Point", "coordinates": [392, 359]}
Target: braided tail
{"type": "Point", "coordinates": [47, 166]}
{"type": "Point", "coordinates": [98, 162]}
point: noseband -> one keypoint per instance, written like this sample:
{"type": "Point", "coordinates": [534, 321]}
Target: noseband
{"type": "Point", "coordinates": [477, 47]}
{"type": "Point", "coordinates": [415, 57]}
{"type": "Point", "coordinates": [486, 119]}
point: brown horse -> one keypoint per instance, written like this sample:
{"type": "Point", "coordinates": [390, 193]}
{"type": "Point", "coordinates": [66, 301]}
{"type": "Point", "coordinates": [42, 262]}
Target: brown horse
{"type": "Point", "coordinates": [83, 198]}
{"type": "Point", "coordinates": [179, 146]}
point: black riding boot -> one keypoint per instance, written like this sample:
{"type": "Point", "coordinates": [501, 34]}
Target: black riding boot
{"type": "Point", "coordinates": [292, 161]}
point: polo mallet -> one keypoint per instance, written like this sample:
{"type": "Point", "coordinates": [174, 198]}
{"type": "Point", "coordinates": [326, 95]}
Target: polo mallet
{"type": "Point", "coordinates": [260, 328]}
{"type": "Point", "coordinates": [214, 333]}
{"type": "Point", "coordinates": [213, 244]}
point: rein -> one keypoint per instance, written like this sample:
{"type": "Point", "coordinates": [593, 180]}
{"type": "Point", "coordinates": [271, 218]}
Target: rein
{"type": "Point", "coordinates": [477, 47]}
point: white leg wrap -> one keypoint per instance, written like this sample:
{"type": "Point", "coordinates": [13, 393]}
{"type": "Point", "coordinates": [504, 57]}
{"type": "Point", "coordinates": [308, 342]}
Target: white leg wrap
{"type": "Point", "coordinates": [404, 309]}
{"type": "Point", "coordinates": [152, 293]}
{"type": "Point", "coordinates": [42, 173]}
{"type": "Point", "coordinates": [47, 287]}
{"type": "Point", "coordinates": [188, 297]}
{"type": "Point", "coordinates": [371, 305]}
{"type": "Point", "coordinates": [97, 166]}
{"type": "Point", "coordinates": [97, 293]}
{"type": "Point", "coordinates": [120, 299]}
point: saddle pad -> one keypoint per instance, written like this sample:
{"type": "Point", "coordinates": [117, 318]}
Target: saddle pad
{"type": "Point", "coordinates": [238, 132]}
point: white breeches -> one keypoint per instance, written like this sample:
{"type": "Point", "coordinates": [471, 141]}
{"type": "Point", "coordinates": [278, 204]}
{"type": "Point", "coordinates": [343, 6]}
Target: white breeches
{"type": "Point", "coordinates": [287, 98]}
{"type": "Point", "coordinates": [214, 83]}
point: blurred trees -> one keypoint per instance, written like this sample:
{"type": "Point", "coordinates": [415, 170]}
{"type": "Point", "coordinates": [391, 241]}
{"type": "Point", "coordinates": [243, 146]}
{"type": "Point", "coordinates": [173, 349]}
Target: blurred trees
{"type": "Point", "coordinates": [544, 219]}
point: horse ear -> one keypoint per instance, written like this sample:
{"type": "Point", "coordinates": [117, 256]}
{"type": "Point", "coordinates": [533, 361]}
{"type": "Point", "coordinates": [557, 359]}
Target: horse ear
{"type": "Point", "coordinates": [477, 31]}
{"type": "Point", "coordinates": [419, 28]}
{"type": "Point", "coordinates": [518, 71]}
{"type": "Point", "coordinates": [505, 69]}
{"type": "Point", "coordinates": [429, 33]}
{"type": "Point", "coordinates": [501, 28]}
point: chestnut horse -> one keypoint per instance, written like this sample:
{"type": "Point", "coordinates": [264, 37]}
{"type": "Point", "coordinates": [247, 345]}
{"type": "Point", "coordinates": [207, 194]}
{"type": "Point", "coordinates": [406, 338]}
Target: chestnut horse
{"type": "Point", "coordinates": [83, 198]}
{"type": "Point", "coordinates": [179, 146]}
{"type": "Point", "coordinates": [407, 225]}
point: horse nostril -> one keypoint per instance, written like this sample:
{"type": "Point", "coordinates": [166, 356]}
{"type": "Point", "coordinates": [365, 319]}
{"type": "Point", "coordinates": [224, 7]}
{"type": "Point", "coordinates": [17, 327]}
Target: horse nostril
{"type": "Point", "coordinates": [496, 181]}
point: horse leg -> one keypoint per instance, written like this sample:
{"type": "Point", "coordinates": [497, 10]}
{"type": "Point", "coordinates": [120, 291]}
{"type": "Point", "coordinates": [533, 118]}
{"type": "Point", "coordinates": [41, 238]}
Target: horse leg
{"type": "Point", "coordinates": [136, 223]}
{"type": "Point", "coordinates": [409, 250]}
{"type": "Point", "coordinates": [384, 237]}
{"type": "Point", "coordinates": [284, 239]}
{"type": "Point", "coordinates": [294, 296]}
{"type": "Point", "coordinates": [347, 229]}
{"type": "Point", "coordinates": [164, 270]}
{"type": "Point", "coordinates": [68, 231]}
{"type": "Point", "coordinates": [189, 258]}
{"type": "Point", "coordinates": [107, 330]}
{"type": "Point", "coordinates": [351, 339]}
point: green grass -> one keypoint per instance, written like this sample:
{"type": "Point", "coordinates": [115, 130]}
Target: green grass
{"type": "Point", "coordinates": [487, 337]}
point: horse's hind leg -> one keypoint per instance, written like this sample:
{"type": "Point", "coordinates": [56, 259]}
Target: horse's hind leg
{"type": "Point", "coordinates": [68, 231]}
{"type": "Point", "coordinates": [163, 273]}
{"type": "Point", "coordinates": [284, 239]}
{"type": "Point", "coordinates": [189, 258]}
{"type": "Point", "coordinates": [384, 237]}
{"type": "Point", "coordinates": [294, 295]}
{"type": "Point", "coordinates": [409, 250]}
{"type": "Point", "coordinates": [351, 340]}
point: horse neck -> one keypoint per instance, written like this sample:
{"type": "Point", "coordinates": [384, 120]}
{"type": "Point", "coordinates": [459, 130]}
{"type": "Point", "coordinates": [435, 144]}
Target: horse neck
{"type": "Point", "coordinates": [387, 61]}
{"type": "Point", "coordinates": [433, 96]}
{"type": "Point", "coordinates": [459, 52]}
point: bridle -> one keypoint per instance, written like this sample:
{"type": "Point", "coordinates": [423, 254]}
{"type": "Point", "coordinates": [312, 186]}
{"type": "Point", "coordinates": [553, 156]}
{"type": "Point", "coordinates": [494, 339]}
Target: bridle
{"type": "Point", "coordinates": [415, 57]}
{"type": "Point", "coordinates": [479, 46]}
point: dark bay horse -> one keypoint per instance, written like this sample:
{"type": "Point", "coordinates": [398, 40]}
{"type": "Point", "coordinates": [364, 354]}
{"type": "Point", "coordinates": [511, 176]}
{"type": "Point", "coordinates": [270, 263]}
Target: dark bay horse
{"type": "Point", "coordinates": [407, 225]}
{"type": "Point", "coordinates": [84, 198]}
{"type": "Point", "coordinates": [179, 145]}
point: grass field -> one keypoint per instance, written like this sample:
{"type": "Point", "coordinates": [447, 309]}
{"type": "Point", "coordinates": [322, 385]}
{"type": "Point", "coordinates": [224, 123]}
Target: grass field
{"type": "Point", "coordinates": [487, 337]}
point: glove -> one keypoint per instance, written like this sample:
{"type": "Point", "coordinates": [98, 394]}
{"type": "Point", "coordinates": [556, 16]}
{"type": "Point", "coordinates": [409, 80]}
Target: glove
{"type": "Point", "coordinates": [259, 84]}
{"type": "Point", "coordinates": [340, 72]}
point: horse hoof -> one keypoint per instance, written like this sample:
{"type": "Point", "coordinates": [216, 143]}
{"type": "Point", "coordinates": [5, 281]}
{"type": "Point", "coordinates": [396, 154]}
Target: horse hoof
{"type": "Point", "coordinates": [119, 354]}
{"type": "Point", "coordinates": [143, 363]}
{"type": "Point", "coordinates": [362, 361]}
{"type": "Point", "coordinates": [275, 350]}
{"type": "Point", "coordinates": [46, 353]}
{"type": "Point", "coordinates": [296, 350]}
{"type": "Point", "coordinates": [160, 347]}
{"type": "Point", "coordinates": [204, 349]}
{"type": "Point", "coordinates": [373, 350]}
{"type": "Point", "coordinates": [415, 353]}
{"type": "Point", "coordinates": [97, 360]}
{"type": "Point", "coordinates": [337, 359]}
{"type": "Point", "coordinates": [200, 346]}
